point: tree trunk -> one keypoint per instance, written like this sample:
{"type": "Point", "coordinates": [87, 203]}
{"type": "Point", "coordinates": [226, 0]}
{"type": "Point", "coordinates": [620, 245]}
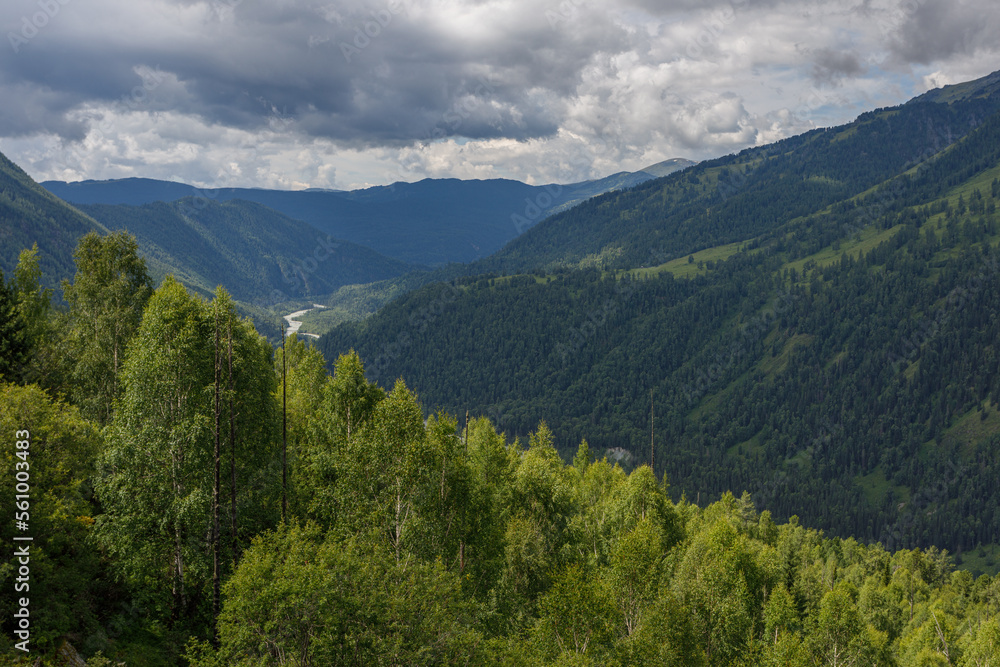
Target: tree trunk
{"type": "Point", "coordinates": [216, 600]}
{"type": "Point", "coordinates": [232, 438]}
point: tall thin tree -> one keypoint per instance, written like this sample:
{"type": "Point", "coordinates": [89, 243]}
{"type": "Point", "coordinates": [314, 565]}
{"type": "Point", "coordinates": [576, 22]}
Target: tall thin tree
{"type": "Point", "coordinates": [216, 537]}
{"type": "Point", "coordinates": [284, 431]}
{"type": "Point", "coordinates": [232, 434]}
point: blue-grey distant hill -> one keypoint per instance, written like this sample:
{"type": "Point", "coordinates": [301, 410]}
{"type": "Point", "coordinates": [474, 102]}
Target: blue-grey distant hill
{"type": "Point", "coordinates": [260, 255]}
{"type": "Point", "coordinates": [430, 222]}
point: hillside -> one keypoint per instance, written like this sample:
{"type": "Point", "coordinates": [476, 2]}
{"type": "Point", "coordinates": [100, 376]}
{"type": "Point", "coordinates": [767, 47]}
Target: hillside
{"type": "Point", "coordinates": [258, 254]}
{"type": "Point", "coordinates": [816, 321]}
{"type": "Point", "coordinates": [30, 214]}
{"type": "Point", "coordinates": [740, 197]}
{"type": "Point", "coordinates": [430, 222]}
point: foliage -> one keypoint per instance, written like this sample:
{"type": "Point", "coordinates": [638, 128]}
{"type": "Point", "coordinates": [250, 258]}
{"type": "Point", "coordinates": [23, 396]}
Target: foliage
{"type": "Point", "coordinates": [14, 345]}
{"type": "Point", "coordinates": [155, 482]}
{"type": "Point", "coordinates": [106, 300]}
{"type": "Point", "coordinates": [64, 587]}
{"type": "Point", "coordinates": [838, 363]}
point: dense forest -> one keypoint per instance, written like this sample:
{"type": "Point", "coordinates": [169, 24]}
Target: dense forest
{"type": "Point", "coordinates": [813, 321]}
{"type": "Point", "coordinates": [199, 498]}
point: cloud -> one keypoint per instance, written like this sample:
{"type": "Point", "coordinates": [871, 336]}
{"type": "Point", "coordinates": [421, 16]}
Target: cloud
{"type": "Point", "coordinates": [829, 66]}
{"type": "Point", "coordinates": [308, 92]}
{"type": "Point", "coordinates": [930, 30]}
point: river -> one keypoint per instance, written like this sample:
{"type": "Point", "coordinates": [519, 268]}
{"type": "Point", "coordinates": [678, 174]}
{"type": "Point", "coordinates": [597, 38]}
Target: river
{"type": "Point", "coordinates": [294, 324]}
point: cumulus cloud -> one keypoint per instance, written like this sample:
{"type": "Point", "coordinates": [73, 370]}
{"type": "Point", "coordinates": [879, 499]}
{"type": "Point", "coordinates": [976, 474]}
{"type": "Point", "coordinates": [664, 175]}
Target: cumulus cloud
{"type": "Point", "coordinates": [347, 93]}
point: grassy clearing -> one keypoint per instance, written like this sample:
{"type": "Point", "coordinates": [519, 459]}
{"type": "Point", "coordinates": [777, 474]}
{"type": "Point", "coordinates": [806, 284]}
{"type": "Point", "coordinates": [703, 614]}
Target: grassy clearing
{"type": "Point", "coordinates": [877, 488]}
{"type": "Point", "coordinates": [982, 560]}
{"type": "Point", "coordinates": [685, 267]}
{"type": "Point", "coordinates": [863, 242]}
{"type": "Point", "coordinates": [776, 364]}
{"type": "Point", "coordinates": [972, 429]}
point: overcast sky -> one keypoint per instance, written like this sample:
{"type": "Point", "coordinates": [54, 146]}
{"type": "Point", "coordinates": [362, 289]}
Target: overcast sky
{"type": "Point", "coordinates": [311, 93]}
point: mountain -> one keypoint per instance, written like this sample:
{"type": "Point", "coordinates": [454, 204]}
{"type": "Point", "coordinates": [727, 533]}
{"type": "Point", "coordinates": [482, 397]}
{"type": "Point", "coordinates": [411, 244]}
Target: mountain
{"type": "Point", "coordinates": [30, 214]}
{"type": "Point", "coordinates": [740, 197]}
{"type": "Point", "coordinates": [814, 321]}
{"type": "Point", "coordinates": [261, 256]}
{"type": "Point", "coordinates": [986, 87]}
{"type": "Point", "coordinates": [431, 222]}
{"type": "Point", "coordinates": [258, 254]}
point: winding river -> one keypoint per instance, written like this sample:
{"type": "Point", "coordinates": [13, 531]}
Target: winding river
{"type": "Point", "coordinates": [294, 324]}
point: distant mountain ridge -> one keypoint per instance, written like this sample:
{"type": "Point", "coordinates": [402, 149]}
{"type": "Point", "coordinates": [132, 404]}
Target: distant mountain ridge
{"type": "Point", "coordinates": [259, 255]}
{"type": "Point", "coordinates": [432, 222]}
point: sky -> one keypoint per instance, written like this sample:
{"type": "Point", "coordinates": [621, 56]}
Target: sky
{"type": "Point", "coordinates": [293, 94]}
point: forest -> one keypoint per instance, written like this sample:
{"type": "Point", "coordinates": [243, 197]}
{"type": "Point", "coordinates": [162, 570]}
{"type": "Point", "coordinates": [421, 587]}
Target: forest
{"type": "Point", "coordinates": [201, 497]}
{"type": "Point", "coordinates": [800, 321]}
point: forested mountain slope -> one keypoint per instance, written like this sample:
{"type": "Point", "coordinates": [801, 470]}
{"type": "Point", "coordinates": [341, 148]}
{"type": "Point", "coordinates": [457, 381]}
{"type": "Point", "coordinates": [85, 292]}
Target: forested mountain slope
{"type": "Point", "coordinates": [739, 197]}
{"type": "Point", "coordinates": [432, 221]}
{"type": "Point", "coordinates": [831, 347]}
{"type": "Point", "coordinates": [258, 254]}
{"type": "Point", "coordinates": [30, 214]}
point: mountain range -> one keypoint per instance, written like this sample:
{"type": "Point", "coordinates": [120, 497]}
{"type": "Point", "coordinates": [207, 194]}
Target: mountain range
{"type": "Point", "coordinates": [814, 321]}
{"type": "Point", "coordinates": [430, 222]}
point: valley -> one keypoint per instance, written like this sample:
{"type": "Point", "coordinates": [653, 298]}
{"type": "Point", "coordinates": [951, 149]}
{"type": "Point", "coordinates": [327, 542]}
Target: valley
{"type": "Point", "coordinates": [740, 411]}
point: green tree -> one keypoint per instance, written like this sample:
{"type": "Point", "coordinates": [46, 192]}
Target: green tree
{"type": "Point", "coordinates": [666, 638]}
{"type": "Point", "coordinates": [156, 476]}
{"type": "Point", "coordinates": [719, 580]}
{"type": "Point", "coordinates": [302, 389]}
{"type": "Point", "coordinates": [575, 615]}
{"type": "Point", "coordinates": [634, 575]}
{"type": "Point", "coordinates": [299, 598]}
{"type": "Point", "coordinates": [45, 328]}
{"type": "Point", "coordinates": [839, 636]}
{"type": "Point", "coordinates": [598, 521]}
{"type": "Point", "coordinates": [106, 297]}
{"type": "Point", "coordinates": [14, 348]}
{"type": "Point", "coordinates": [491, 466]}
{"type": "Point", "coordinates": [350, 399]}
{"type": "Point", "coordinates": [49, 450]}
{"type": "Point", "coordinates": [981, 645]}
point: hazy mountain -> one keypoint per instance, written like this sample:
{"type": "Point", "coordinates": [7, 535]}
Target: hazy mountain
{"type": "Point", "coordinates": [258, 254]}
{"type": "Point", "coordinates": [433, 221]}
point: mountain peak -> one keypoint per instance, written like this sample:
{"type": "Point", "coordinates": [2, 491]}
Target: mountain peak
{"type": "Point", "coordinates": [661, 169]}
{"type": "Point", "coordinates": [986, 86]}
